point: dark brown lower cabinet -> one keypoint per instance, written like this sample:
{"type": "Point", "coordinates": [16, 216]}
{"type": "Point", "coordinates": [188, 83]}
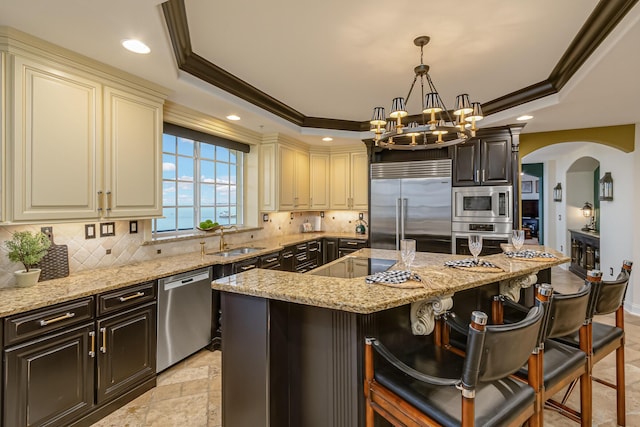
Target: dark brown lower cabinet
{"type": "Point", "coordinates": [127, 351]}
{"type": "Point", "coordinates": [79, 372]}
{"type": "Point", "coordinates": [49, 380]}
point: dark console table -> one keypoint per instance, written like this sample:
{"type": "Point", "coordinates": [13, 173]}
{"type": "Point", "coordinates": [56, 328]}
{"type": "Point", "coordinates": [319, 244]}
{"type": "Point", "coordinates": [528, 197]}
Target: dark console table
{"type": "Point", "coordinates": [585, 252]}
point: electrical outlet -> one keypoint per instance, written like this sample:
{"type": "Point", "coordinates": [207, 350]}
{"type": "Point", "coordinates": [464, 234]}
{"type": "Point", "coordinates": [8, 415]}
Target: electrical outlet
{"type": "Point", "coordinates": [47, 230]}
{"type": "Point", "coordinates": [360, 215]}
{"type": "Point", "coordinates": [321, 214]}
{"type": "Point", "coordinates": [108, 251]}
{"type": "Point", "coordinates": [291, 216]}
{"type": "Point", "coordinates": [561, 248]}
{"type": "Point", "coordinates": [89, 231]}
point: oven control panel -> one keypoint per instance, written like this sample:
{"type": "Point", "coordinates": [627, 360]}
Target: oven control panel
{"type": "Point", "coordinates": [482, 227]}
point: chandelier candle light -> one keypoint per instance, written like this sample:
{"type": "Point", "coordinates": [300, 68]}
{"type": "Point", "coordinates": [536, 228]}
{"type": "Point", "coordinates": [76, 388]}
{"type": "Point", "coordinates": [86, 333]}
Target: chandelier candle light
{"type": "Point", "coordinates": [436, 119]}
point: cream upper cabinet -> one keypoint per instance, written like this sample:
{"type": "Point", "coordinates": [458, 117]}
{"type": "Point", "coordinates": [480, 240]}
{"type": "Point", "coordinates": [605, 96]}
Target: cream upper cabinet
{"type": "Point", "coordinates": [132, 154]}
{"type": "Point", "coordinates": [319, 177]}
{"type": "Point", "coordinates": [349, 181]}
{"type": "Point", "coordinates": [284, 183]}
{"type": "Point", "coordinates": [55, 143]}
{"type": "Point", "coordinates": [359, 181]}
{"type": "Point", "coordinates": [79, 148]}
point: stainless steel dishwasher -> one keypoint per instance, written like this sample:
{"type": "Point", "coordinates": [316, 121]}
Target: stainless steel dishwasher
{"type": "Point", "coordinates": [184, 316]}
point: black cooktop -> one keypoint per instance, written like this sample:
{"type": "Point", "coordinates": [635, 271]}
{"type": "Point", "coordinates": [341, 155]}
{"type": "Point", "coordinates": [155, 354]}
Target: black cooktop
{"type": "Point", "coordinates": [350, 267]}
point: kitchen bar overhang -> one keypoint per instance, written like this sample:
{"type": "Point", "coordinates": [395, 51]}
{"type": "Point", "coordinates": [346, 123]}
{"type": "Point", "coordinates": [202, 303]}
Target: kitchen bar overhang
{"type": "Point", "coordinates": [292, 347]}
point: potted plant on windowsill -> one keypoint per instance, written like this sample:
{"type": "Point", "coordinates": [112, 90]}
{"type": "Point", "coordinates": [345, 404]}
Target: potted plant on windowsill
{"type": "Point", "coordinates": [28, 249]}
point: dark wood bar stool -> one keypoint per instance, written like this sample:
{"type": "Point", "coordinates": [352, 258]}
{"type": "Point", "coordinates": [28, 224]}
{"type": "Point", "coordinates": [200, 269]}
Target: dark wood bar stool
{"type": "Point", "coordinates": [421, 388]}
{"type": "Point", "coordinates": [607, 297]}
{"type": "Point", "coordinates": [554, 364]}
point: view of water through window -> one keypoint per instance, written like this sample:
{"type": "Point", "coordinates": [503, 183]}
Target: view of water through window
{"type": "Point", "coordinates": [199, 182]}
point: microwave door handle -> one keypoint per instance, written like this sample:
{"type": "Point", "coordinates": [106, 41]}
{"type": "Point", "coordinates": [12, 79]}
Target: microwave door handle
{"type": "Point", "coordinates": [398, 215]}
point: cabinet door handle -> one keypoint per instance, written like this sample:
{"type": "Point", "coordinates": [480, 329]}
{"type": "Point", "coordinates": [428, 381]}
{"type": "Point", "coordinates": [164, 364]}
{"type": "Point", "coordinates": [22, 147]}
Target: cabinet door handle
{"type": "Point", "coordinates": [247, 267]}
{"type": "Point", "coordinates": [483, 175]}
{"type": "Point", "coordinates": [103, 331]}
{"type": "Point", "coordinates": [67, 315]}
{"type": "Point", "coordinates": [100, 202]}
{"type": "Point", "coordinates": [127, 298]}
{"type": "Point", "coordinates": [477, 176]}
{"type": "Point", "coordinates": [109, 200]}
{"type": "Point", "coordinates": [92, 352]}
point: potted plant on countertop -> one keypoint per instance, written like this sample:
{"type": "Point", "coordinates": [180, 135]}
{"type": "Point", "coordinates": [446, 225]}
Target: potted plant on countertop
{"type": "Point", "coordinates": [28, 249]}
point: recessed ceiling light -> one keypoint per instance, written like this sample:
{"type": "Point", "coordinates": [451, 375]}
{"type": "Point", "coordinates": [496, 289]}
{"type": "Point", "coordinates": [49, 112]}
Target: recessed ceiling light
{"type": "Point", "coordinates": [233, 117]}
{"type": "Point", "coordinates": [327, 139]}
{"type": "Point", "coordinates": [135, 46]}
{"type": "Point", "coordinates": [525, 117]}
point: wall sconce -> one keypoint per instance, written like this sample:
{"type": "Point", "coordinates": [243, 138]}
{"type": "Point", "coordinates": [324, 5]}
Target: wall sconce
{"type": "Point", "coordinates": [587, 212]}
{"type": "Point", "coordinates": [606, 187]}
{"type": "Point", "coordinates": [557, 193]}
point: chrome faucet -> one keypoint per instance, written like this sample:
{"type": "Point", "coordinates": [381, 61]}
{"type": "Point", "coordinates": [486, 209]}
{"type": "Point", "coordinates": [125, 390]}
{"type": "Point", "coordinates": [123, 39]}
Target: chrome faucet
{"type": "Point", "coordinates": [223, 245]}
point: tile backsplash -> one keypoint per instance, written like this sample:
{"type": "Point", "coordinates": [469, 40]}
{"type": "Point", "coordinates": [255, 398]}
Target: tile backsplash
{"type": "Point", "coordinates": [126, 248]}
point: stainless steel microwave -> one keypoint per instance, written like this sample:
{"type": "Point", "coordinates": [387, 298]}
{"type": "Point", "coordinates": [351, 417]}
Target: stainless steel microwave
{"type": "Point", "coordinates": [486, 204]}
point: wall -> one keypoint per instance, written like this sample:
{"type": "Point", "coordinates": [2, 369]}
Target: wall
{"type": "Point", "coordinates": [128, 248]}
{"type": "Point", "coordinates": [618, 232]}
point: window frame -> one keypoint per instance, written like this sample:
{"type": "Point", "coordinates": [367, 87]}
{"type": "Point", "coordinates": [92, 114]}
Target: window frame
{"type": "Point", "coordinates": [197, 181]}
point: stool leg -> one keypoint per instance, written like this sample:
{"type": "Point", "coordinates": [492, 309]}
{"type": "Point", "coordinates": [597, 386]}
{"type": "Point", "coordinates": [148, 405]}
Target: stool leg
{"type": "Point", "coordinates": [620, 384]}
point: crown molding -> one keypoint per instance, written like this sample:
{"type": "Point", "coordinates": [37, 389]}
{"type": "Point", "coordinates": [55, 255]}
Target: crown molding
{"type": "Point", "coordinates": [602, 20]}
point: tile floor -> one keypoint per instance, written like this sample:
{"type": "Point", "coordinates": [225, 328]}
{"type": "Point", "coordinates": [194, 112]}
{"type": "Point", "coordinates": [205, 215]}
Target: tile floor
{"type": "Point", "coordinates": [189, 393]}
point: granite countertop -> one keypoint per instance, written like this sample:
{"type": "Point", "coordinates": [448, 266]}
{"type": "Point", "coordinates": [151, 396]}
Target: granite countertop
{"type": "Point", "coordinates": [354, 295]}
{"type": "Point", "coordinates": [91, 282]}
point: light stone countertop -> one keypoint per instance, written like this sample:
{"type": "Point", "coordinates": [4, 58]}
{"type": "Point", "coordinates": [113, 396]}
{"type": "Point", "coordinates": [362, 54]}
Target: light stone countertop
{"type": "Point", "coordinates": [354, 295]}
{"type": "Point", "coordinates": [91, 282]}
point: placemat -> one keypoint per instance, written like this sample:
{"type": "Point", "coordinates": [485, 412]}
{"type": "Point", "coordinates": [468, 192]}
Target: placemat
{"type": "Point", "coordinates": [530, 255]}
{"type": "Point", "coordinates": [480, 266]}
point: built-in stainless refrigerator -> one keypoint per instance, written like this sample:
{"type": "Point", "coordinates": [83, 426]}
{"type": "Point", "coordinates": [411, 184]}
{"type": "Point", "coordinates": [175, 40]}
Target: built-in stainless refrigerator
{"type": "Point", "coordinates": [411, 200]}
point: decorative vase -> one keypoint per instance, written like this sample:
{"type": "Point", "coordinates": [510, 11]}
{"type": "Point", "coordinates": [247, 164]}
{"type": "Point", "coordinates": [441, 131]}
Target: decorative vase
{"type": "Point", "coordinates": [27, 278]}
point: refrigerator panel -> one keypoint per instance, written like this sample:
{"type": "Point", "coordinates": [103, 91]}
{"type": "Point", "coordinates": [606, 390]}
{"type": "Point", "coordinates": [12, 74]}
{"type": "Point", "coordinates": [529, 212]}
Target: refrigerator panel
{"type": "Point", "coordinates": [427, 206]}
{"type": "Point", "coordinates": [383, 219]}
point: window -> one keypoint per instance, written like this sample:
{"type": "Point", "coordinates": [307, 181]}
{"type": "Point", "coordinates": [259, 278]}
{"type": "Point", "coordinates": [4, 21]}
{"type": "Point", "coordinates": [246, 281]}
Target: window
{"type": "Point", "coordinates": [200, 181]}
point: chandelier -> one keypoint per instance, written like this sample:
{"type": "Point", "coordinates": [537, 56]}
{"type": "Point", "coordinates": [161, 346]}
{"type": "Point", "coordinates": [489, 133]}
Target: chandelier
{"type": "Point", "coordinates": [437, 127]}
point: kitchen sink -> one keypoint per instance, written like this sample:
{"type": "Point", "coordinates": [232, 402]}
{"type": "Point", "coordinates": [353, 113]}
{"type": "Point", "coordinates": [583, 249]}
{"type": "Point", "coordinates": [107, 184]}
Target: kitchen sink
{"type": "Point", "coordinates": [236, 251]}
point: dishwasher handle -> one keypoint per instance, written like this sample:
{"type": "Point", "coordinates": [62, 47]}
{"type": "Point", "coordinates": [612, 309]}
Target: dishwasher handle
{"type": "Point", "coordinates": [186, 281]}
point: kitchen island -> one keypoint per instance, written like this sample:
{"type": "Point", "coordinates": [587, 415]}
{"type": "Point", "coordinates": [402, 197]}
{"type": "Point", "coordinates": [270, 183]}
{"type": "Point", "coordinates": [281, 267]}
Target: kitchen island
{"type": "Point", "coordinates": [292, 344]}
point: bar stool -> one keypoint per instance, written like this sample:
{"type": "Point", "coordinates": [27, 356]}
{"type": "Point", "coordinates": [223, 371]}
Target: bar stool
{"type": "Point", "coordinates": [416, 390]}
{"type": "Point", "coordinates": [554, 364]}
{"type": "Point", "coordinates": [606, 297]}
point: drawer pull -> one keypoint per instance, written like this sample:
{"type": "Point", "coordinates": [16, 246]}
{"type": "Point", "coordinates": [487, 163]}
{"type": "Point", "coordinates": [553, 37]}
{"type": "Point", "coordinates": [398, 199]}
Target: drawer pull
{"type": "Point", "coordinates": [248, 267]}
{"type": "Point", "coordinates": [287, 256]}
{"type": "Point", "coordinates": [103, 331]}
{"type": "Point", "coordinates": [313, 250]}
{"type": "Point", "coordinates": [67, 315]}
{"type": "Point", "coordinates": [271, 260]}
{"type": "Point", "coordinates": [136, 295]}
{"type": "Point", "coordinates": [92, 352]}
{"type": "Point", "coordinates": [352, 243]}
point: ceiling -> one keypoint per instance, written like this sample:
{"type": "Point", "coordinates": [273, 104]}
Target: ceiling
{"type": "Point", "coordinates": [339, 59]}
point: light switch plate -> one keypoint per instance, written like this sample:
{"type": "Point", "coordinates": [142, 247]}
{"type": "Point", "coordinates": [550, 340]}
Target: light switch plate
{"type": "Point", "coordinates": [107, 229]}
{"type": "Point", "coordinates": [89, 231]}
{"type": "Point", "coordinates": [133, 227]}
